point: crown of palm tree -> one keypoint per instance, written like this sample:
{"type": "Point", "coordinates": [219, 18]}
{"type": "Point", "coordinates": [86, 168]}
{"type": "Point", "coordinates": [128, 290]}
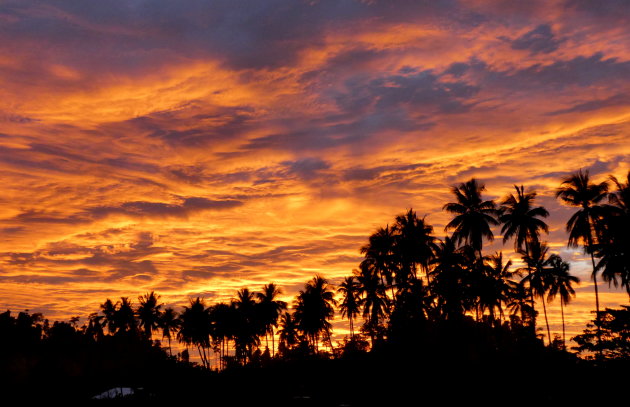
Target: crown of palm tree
{"type": "Point", "coordinates": [349, 290]}
{"type": "Point", "coordinates": [474, 216]}
{"type": "Point", "coordinates": [561, 281]}
{"type": "Point", "coordinates": [520, 219]}
{"type": "Point", "coordinates": [315, 307]}
{"type": "Point", "coordinates": [149, 312]}
{"type": "Point", "coordinates": [414, 244]}
{"type": "Point", "coordinates": [577, 190]}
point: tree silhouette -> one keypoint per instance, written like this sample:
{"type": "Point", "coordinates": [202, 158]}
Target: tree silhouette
{"type": "Point", "coordinates": [314, 308]}
{"type": "Point", "coordinates": [350, 303]}
{"type": "Point", "coordinates": [495, 288]}
{"type": "Point", "coordinates": [585, 225]}
{"type": "Point", "coordinates": [473, 216]}
{"type": "Point", "coordinates": [521, 222]}
{"type": "Point", "coordinates": [169, 323]}
{"type": "Point", "coordinates": [270, 308]}
{"type": "Point", "coordinates": [381, 258]}
{"type": "Point", "coordinates": [288, 331]}
{"type": "Point", "coordinates": [149, 313]}
{"type": "Point", "coordinates": [520, 219]}
{"type": "Point", "coordinates": [449, 285]}
{"type": "Point", "coordinates": [195, 326]}
{"type": "Point", "coordinates": [373, 300]}
{"type": "Point", "coordinates": [540, 279]}
{"type": "Point", "coordinates": [414, 247]}
{"type": "Point", "coordinates": [126, 317]}
{"type": "Point", "coordinates": [614, 250]}
{"type": "Point", "coordinates": [249, 326]}
{"type": "Point", "coordinates": [108, 308]}
{"type": "Point", "coordinates": [561, 284]}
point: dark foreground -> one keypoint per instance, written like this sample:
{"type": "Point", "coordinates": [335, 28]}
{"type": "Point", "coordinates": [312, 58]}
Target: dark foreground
{"type": "Point", "coordinates": [387, 376]}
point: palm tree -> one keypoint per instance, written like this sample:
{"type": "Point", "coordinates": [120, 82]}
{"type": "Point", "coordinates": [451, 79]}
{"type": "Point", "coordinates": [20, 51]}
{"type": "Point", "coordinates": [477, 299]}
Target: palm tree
{"type": "Point", "coordinates": [314, 308]}
{"type": "Point", "coordinates": [349, 307]}
{"type": "Point", "coordinates": [414, 246]}
{"type": "Point", "coordinates": [585, 225]}
{"type": "Point", "coordinates": [496, 287]}
{"type": "Point", "coordinates": [149, 313]}
{"type": "Point", "coordinates": [288, 331]}
{"type": "Point", "coordinates": [448, 283]}
{"type": "Point", "coordinates": [225, 321]}
{"type": "Point", "coordinates": [380, 256]}
{"type": "Point", "coordinates": [195, 326]}
{"type": "Point", "coordinates": [521, 221]}
{"type": "Point", "coordinates": [125, 317]}
{"type": "Point", "coordinates": [540, 279]}
{"type": "Point", "coordinates": [94, 328]}
{"type": "Point", "coordinates": [109, 314]}
{"type": "Point", "coordinates": [271, 308]}
{"type": "Point", "coordinates": [373, 300]}
{"type": "Point", "coordinates": [561, 284]}
{"type": "Point", "coordinates": [169, 323]}
{"type": "Point", "coordinates": [473, 216]}
{"type": "Point", "coordinates": [519, 305]}
{"type": "Point", "coordinates": [614, 250]}
{"type": "Point", "coordinates": [249, 326]}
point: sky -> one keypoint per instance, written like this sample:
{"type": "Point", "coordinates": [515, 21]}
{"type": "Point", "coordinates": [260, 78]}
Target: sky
{"type": "Point", "coordinates": [198, 147]}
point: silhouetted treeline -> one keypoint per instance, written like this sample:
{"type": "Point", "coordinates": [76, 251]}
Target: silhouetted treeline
{"type": "Point", "coordinates": [415, 300]}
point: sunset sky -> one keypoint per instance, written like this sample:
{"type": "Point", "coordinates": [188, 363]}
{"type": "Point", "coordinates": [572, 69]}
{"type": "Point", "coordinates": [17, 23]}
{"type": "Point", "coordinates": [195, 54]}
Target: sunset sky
{"type": "Point", "coordinates": [197, 147]}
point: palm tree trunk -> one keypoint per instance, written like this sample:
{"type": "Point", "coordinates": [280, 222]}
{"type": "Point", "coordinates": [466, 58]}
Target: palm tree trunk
{"type": "Point", "coordinates": [273, 342]}
{"type": "Point", "coordinates": [351, 329]}
{"type": "Point", "coordinates": [546, 321]}
{"type": "Point", "coordinates": [599, 332]}
{"type": "Point", "coordinates": [170, 352]}
{"type": "Point", "coordinates": [531, 292]}
{"type": "Point", "coordinates": [564, 343]}
{"type": "Point", "coordinates": [203, 361]}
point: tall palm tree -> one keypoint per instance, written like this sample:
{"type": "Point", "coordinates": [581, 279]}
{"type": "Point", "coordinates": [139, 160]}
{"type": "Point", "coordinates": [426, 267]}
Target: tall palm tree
{"type": "Point", "coordinates": [373, 300]}
{"type": "Point", "coordinates": [195, 327]}
{"type": "Point", "coordinates": [414, 246]}
{"type": "Point", "coordinates": [584, 226]}
{"type": "Point", "coordinates": [271, 308]}
{"type": "Point", "coordinates": [473, 216]}
{"type": "Point", "coordinates": [540, 279]}
{"type": "Point", "coordinates": [614, 250]}
{"type": "Point", "coordinates": [349, 307]}
{"type": "Point", "coordinates": [125, 317]}
{"type": "Point", "coordinates": [149, 313]}
{"type": "Point", "coordinates": [448, 284]}
{"type": "Point", "coordinates": [288, 331]}
{"type": "Point", "coordinates": [521, 221]}
{"type": "Point", "coordinates": [496, 284]}
{"type": "Point", "coordinates": [169, 323]}
{"type": "Point", "coordinates": [380, 256]}
{"type": "Point", "coordinates": [314, 308]}
{"type": "Point", "coordinates": [561, 284]}
{"type": "Point", "coordinates": [518, 303]}
{"type": "Point", "coordinates": [108, 308]}
{"type": "Point", "coordinates": [94, 328]}
{"type": "Point", "coordinates": [249, 326]}
{"type": "Point", "coordinates": [225, 322]}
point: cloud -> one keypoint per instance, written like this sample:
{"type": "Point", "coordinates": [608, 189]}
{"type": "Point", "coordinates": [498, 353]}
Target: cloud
{"type": "Point", "coordinates": [409, 89]}
{"type": "Point", "coordinates": [618, 100]}
{"type": "Point", "coordinates": [139, 209]}
{"type": "Point", "coordinates": [306, 168]}
{"type": "Point", "coordinates": [539, 40]}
